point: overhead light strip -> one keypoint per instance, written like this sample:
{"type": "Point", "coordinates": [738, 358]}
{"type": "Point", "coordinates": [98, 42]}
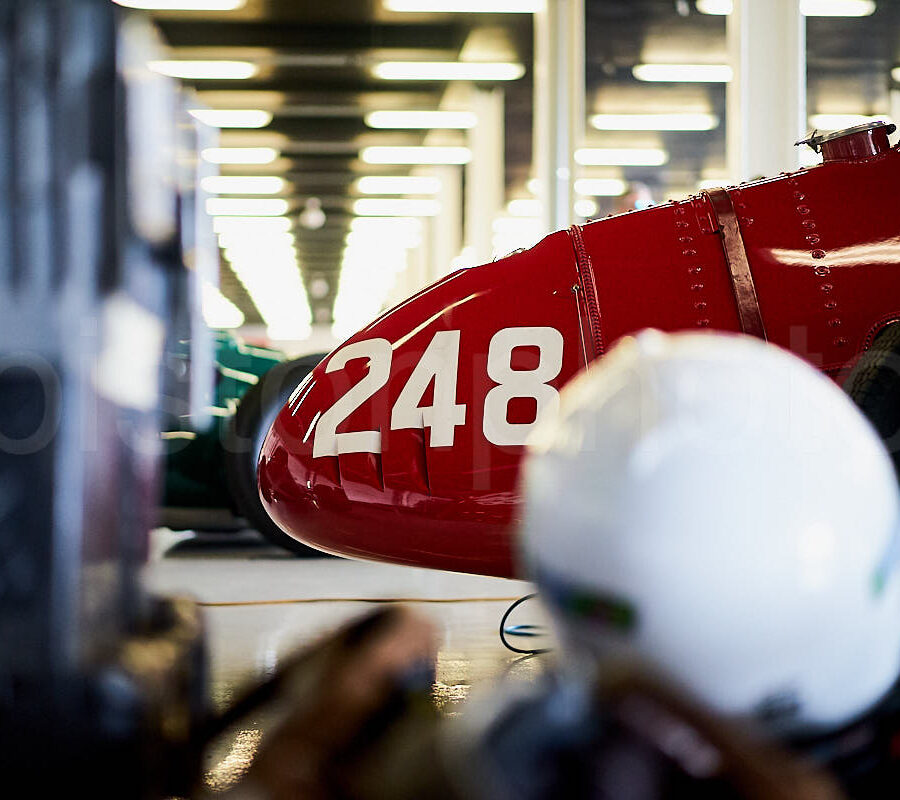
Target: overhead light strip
{"type": "Point", "coordinates": [407, 225]}
{"type": "Point", "coordinates": [268, 269]}
{"type": "Point", "coordinates": [421, 154]}
{"type": "Point", "coordinates": [809, 8]}
{"type": "Point", "coordinates": [683, 73]}
{"type": "Point", "coordinates": [242, 184]}
{"type": "Point", "coordinates": [205, 70]}
{"type": "Point", "coordinates": [239, 155]}
{"type": "Point", "coordinates": [398, 184]}
{"type": "Point", "coordinates": [466, 6]}
{"type": "Point", "coordinates": [621, 156]}
{"type": "Point", "coordinates": [600, 187]}
{"type": "Point", "coordinates": [393, 207]}
{"type": "Point", "coordinates": [682, 121]}
{"type": "Point", "coordinates": [246, 206]}
{"type": "Point", "coordinates": [448, 71]}
{"type": "Point", "coordinates": [232, 117]}
{"type": "Point", "coordinates": [183, 5]}
{"type": "Point", "coordinates": [524, 207]}
{"type": "Point", "coordinates": [456, 120]}
{"type": "Point", "coordinates": [834, 122]}
{"type": "Point", "coordinates": [245, 226]}
{"type": "Point", "coordinates": [218, 311]}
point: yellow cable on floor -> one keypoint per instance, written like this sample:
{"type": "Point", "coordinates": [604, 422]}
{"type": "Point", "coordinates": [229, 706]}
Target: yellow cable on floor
{"type": "Point", "coordinates": [226, 603]}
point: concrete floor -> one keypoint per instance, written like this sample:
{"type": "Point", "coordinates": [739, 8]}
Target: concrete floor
{"type": "Point", "coordinates": [260, 604]}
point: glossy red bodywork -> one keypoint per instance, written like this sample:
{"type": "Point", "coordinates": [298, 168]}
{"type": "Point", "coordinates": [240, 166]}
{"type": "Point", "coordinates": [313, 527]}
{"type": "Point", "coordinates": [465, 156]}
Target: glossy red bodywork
{"type": "Point", "coordinates": [824, 249]}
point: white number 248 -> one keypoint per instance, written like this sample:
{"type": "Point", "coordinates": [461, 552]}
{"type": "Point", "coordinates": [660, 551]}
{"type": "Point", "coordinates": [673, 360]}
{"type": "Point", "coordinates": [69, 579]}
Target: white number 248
{"type": "Point", "coordinates": [440, 362]}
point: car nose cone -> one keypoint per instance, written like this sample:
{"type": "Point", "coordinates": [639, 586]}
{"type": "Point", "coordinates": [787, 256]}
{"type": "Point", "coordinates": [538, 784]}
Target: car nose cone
{"type": "Point", "coordinates": [404, 444]}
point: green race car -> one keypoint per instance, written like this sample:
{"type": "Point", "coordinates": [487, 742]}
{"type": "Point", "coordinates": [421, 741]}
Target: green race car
{"type": "Point", "coordinates": [210, 474]}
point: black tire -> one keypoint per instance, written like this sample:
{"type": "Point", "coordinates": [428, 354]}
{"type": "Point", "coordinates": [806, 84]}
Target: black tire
{"type": "Point", "coordinates": [244, 437]}
{"type": "Point", "coordinates": [874, 385]}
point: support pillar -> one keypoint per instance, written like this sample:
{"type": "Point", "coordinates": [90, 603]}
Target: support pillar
{"type": "Point", "coordinates": [559, 116]}
{"type": "Point", "coordinates": [767, 93]}
{"type": "Point", "coordinates": [486, 172]}
{"type": "Point", "coordinates": [446, 228]}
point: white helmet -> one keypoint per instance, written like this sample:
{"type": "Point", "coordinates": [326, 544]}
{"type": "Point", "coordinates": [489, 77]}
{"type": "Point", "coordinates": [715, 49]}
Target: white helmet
{"type": "Point", "coordinates": [718, 508]}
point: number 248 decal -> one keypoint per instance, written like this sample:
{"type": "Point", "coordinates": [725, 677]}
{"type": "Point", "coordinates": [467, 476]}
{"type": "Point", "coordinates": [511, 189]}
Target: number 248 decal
{"type": "Point", "coordinates": [440, 361]}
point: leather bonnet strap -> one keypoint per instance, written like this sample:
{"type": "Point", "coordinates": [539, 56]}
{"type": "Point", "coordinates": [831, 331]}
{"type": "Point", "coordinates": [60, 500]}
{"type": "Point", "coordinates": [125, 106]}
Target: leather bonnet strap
{"type": "Point", "coordinates": [738, 265]}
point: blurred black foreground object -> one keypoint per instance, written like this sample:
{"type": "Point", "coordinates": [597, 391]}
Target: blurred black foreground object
{"type": "Point", "coordinates": [101, 686]}
{"type": "Point", "coordinates": [358, 724]}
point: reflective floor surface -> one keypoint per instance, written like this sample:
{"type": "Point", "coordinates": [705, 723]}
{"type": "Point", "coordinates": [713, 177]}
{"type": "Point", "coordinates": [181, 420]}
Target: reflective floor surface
{"type": "Point", "coordinates": [260, 604]}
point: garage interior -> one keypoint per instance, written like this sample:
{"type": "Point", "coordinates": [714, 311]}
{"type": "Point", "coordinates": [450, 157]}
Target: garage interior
{"type": "Point", "coordinates": [343, 157]}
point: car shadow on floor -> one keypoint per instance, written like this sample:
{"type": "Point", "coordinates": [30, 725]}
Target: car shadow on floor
{"type": "Point", "coordinates": [246, 544]}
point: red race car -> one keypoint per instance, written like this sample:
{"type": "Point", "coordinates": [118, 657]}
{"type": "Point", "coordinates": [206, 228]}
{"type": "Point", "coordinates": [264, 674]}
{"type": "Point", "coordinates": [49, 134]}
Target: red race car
{"type": "Point", "coordinates": [404, 444]}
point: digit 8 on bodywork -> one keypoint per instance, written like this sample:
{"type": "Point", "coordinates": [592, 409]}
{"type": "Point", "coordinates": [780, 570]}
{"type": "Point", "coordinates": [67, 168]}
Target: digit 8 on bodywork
{"type": "Point", "coordinates": [404, 444]}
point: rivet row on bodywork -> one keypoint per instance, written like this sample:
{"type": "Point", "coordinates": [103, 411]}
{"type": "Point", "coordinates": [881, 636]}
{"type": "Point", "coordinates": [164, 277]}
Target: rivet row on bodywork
{"type": "Point", "coordinates": [693, 269]}
{"type": "Point", "coordinates": [820, 271]}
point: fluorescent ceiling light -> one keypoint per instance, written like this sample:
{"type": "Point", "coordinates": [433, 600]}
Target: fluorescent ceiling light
{"type": "Point", "coordinates": [409, 225]}
{"type": "Point", "coordinates": [600, 187]}
{"type": "Point", "coordinates": [524, 207]}
{"type": "Point", "coordinates": [398, 184]}
{"type": "Point", "coordinates": [364, 287]}
{"type": "Point", "coordinates": [466, 6]}
{"type": "Point", "coordinates": [834, 122]}
{"type": "Point", "coordinates": [394, 237]}
{"type": "Point", "coordinates": [241, 184]}
{"type": "Point", "coordinates": [809, 8]}
{"type": "Point", "coordinates": [416, 155]}
{"type": "Point", "coordinates": [232, 117]}
{"type": "Point", "coordinates": [713, 183]}
{"type": "Point", "coordinates": [421, 119]}
{"type": "Point", "coordinates": [362, 255]}
{"type": "Point", "coordinates": [262, 256]}
{"type": "Point", "coordinates": [183, 5]}
{"type": "Point", "coordinates": [205, 70]}
{"type": "Point", "coordinates": [218, 310]}
{"type": "Point", "coordinates": [686, 121]}
{"type": "Point", "coordinates": [449, 71]}
{"type": "Point", "coordinates": [621, 156]}
{"type": "Point", "coordinates": [278, 293]}
{"type": "Point", "coordinates": [717, 7]}
{"type": "Point", "coordinates": [224, 225]}
{"type": "Point", "coordinates": [503, 245]}
{"type": "Point", "coordinates": [585, 207]}
{"type": "Point", "coordinates": [385, 239]}
{"type": "Point", "coordinates": [238, 242]}
{"type": "Point", "coordinates": [272, 246]}
{"type": "Point", "coordinates": [239, 155]}
{"type": "Point", "coordinates": [511, 233]}
{"type": "Point", "coordinates": [259, 255]}
{"type": "Point", "coordinates": [391, 207]}
{"type": "Point", "coordinates": [687, 73]}
{"type": "Point", "coordinates": [512, 225]}
{"type": "Point", "coordinates": [246, 206]}
{"type": "Point", "coordinates": [837, 8]}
